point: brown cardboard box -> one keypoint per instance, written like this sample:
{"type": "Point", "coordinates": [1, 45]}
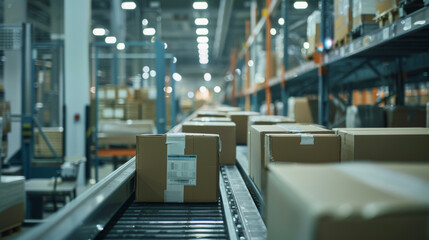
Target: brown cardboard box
{"type": "Point", "coordinates": [132, 110]}
{"type": "Point", "coordinates": [55, 136]}
{"type": "Point", "coordinates": [123, 93]}
{"type": "Point", "coordinates": [227, 109]}
{"type": "Point", "coordinates": [306, 110]}
{"type": "Point", "coordinates": [402, 116]}
{"type": "Point", "coordinates": [151, 168]}
{"type": "Point", "coordinates": [5, 113]}
{"type": "Point", "coordinates": [12, 200]}
{"type": "Point", "coordinates": [363, 12]}
{"type": "Point", "coordinates": [12, 216]}
{"type": "Point", "coordinates": [226, 131]}
{"type": "Point", "coordinates": [391, 144]}
{"type": "Point", "coordinates": [313, 32]}
{"type": "Point", "coordinates": [211, 114]}
{"type": "Point", "coordinates": [347, 201]}
{"type": "Point", "coordinates": [241, 121]}
{"type": "Point", "coordinates": [211, 119]}
{"type": "Point", "coordinates": [343, 19]}
{"type": "Point", "coordinates": [257, 147]}
{"type": "Point", "coordinates": [385, 5]}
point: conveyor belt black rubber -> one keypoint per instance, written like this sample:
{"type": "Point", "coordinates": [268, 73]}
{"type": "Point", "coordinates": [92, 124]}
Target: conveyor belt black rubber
{"type": "Point", "coordinates": [170, 221]}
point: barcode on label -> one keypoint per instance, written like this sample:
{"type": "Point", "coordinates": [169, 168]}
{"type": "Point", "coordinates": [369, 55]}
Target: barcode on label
{"type": "Point", "coordinates": [182, 170]}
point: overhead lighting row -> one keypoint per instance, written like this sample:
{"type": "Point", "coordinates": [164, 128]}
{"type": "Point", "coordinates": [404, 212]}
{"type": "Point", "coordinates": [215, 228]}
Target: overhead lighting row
{"type": "Point", "coordinates": [202, 31]}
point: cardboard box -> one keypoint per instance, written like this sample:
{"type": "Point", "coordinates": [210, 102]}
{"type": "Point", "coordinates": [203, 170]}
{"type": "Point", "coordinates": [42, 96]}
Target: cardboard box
{"type": "Point", "coordinates": [226, 131]}
{"type": "Point", "coordinates": [347, 201]}
{"type": "Point", "coordinates": [227, 109]}
{"type": "Point", "coordinates": [383, 6]}
{"type": "Point", "coordinates": [305, 110]}
{"type": "Point", "coordinates": [5, 114]}
{"type": "Point", "coordinates": [363, 12]}
{"type": "Point", "coordinates": [269, 120]}
{"type": "Point", "coordinates": [211, 119]}
{"type": "Point", "coordinates": [12, 208]}
{"type": "Point", "coordinates": [55, 137]}
{"type": "Point", "coordinates": [132, 110]}
{"type": "Point", "coordinates": [211, 114]}
{"type": "Point", "coordinates": [257, 147]}
{"type": "Point", "coordinates": [241, 121]}
{"type": "Point", "coordinates": [402, 116]}
{"type": "Point", "coordinates": [342, 19]}
{"type": "Point", "coordinates": [391, 144]}
{"type": "Point", "coordinates": [177, 168]}
{"type": "Point", "coordinates": [365, 116]}
{"type": "Point", "coordinates": [116, 132]}
{"type": "Point", "coordinates": [313, 31]}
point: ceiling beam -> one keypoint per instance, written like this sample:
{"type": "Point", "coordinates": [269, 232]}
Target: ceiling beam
{"type": "Point", "coordinates": [224, 16]}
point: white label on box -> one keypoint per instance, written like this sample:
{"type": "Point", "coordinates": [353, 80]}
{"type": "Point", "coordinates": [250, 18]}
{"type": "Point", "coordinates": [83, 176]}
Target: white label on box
{"type": "Point", "coordinates": [110, 93]}
{"type": "Point", "coordinates": [123, 93]}
{"type": "Point", "coordinates": [101, 94]}
{"type": "Point", "coordinates": [182, 170]}
{"type": "Point", "coordinates": [385, 33]}
{"type": "Point", "coordinates": [119, 113]}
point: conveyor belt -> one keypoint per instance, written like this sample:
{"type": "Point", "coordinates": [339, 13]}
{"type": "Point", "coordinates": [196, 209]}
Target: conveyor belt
{"type": "Point", "coordinates": [170, 221]}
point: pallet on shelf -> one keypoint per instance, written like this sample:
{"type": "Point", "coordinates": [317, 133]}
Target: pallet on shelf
{"type": "Point", "coordinates": [342, 41]}
{"type": "Point", "coordinates": [387, 17]}
{"type": "Point", "coordinates": [11, 230]}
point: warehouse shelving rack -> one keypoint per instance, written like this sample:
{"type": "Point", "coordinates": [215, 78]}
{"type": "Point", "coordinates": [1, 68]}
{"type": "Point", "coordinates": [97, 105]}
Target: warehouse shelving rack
{"type": "Point", "coordinates": [391, 56]}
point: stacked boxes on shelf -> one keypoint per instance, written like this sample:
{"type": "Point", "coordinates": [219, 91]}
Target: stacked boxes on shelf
{"type": "Point", "coordinates": [12, 202]}
{"type": "Point", "coordinates": [363, 17]}
{"type": "Point", "coordinates": [342, 22]}
{"type": "Point", "coordinates": [313, 32]}
{"type": "Point", "coordinates": [55, 137]}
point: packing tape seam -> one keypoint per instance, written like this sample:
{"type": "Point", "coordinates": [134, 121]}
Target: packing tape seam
{"type": "Point", "coordinates": [307, 139]}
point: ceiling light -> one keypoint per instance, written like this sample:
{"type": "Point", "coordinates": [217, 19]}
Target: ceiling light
{"type": "Point", "coordinates": [145, 75]}
{"type": "Point", "coordinates": [110, 40]}
{"type": "Point", "coordinates": [203, 89]}
{"type": "Point", "coordinates": [177, 77]}
{"type": "Point", "coordinates": [273, 31]}
{"type": "Point", "coordinates": [200, 5]}
{"type": "Point", "coordinates": [202, 39]}
{"type": "Point", "coordinates": [281, 21]}
{"type": "Point", "coordinates": [99, 31]}
{"type": "Point", "coordinates": [300, 5]}
{"type": "Point", "coordinates": [250, 63]}
{"type": "Point", "coordinates": [174, 59]}
{"type": "Point", "coordinates": [146, 69]}
{"type": "Point", "coordinates": [165, 45]}
{"type": "Point", "coordinates": [120, 46]}
{"type": "Point", "coordinates": [168, 89]}
{"type": "Point", "coordinates": [217, 89]}
{"type": "Point", "coordinates": [203, 51]}
{"type": "Point", "coordinates": [202, 31]}
{"type": "Point", "coordinates": [128, 5]}
{"type": "Point", "coordinates": [207, 77]}
{"type": "Point", "coordinates": [149, 31]}
{"type": "Point", "coordinates": [203, 46]}
{"type": "Point", "coordinates": [152, 73]}
{"type": "Point", "coordinates": [145, 22]}
{"type": "Point", "coordinates": [306, 45]}
{"type": "Point", "coordinates": [190, 94]}
{"type": "Point", "coordinates": [204, 61]}
{"type": "Point", "coordinates": [201, 21]}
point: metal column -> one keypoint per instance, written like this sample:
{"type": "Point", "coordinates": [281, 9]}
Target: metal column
{"type": "Point", "coordinates": [323, 70]}
{"type": "Point", "coordinates": [400, 83]}
{"type": "Point", "coordinates": [284, 90]}
{"type": "Point", "coordinates": [173, 93]}
{"type": "Point", "coordinates": [160, 84]}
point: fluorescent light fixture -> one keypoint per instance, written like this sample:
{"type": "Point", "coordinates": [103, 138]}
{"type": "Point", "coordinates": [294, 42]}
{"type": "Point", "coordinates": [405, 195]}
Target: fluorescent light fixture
{"type": "Point", "coordinates": [177, 77]}
{"type": "Point", "coordinates": [203, 46]}
{"type": "Point", "coordinates": [203, 51]}
{"type": "Point", "coordinates": [165, 45]}
{"type": "Point", "coordinates": [128, 5]}
{"type": "Point", "coordinates": [273, 31]}
{"type": "Point", "coordinates": [146, 69]}
{"type": "Point", "coordinates": [217, 89]}
{"type": "Point", "coordinates": [300, 4]}
{"type": "Point", "coordinates": [203, 89]}
{"type": "Point", "coordinates": [152, 73]}
{"type": "Point", "coordinates": [202, 39]}
{"type": "Point", "coordinates": [202, 31]}
{"type": "Point", "coordinates": [149, 31]}
{"type": "Point", "coordinates": [207, 77]}
{"type": "Point", "coordinates": [145, 75]}
{"type": "Point", "coordinates": [190, 94]}
{"type": "Point", "coordinates": [204, 61]}
{"type": "Point", "coordinates": [99, 31]}
{"type": "Point", "coordinates": [204, 57]}
{"type": "Point", "coordinates": [281, 21]}
{"type": "Point", "coordinates": [306, 45]}
{"type": "Point", "coordinates": [200, 5]}
{"type": "Point", "coordinates": [250, 63]}
{"type": "Point", "coordinates": [110, 40]}
{"type": "Point", "coordinates": [120, 46]}
{"type": "Point", "coordinates": [145, 22]}
{"type": "Point", "coordinates": [201, 21]}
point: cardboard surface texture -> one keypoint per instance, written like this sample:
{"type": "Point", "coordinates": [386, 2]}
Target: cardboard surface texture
{"type": "Point", "coordinates": [226, 131]}
{"type": "Point", "coordinates": [151, 168]}
{"type": "Point", "coordinates": [306, 110]}
{"type": "Point", "coordinates": [390, 144]}
{"type": "Point", "coordinates": [257, 147]}
{"type": "Point", "coordinates": [211, 119]}
{"type": "Point", "coordinates": [211, 114]}
{"type": "Point", "coordinates": [347, 201]}
{"type": "Point", "coordinates": [241, 121]}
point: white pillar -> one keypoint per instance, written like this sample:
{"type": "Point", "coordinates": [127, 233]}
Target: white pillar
{"type": "Point", "coordinates": [77, 23]}
{"type": "Point", "coordinates": [15, 11]}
